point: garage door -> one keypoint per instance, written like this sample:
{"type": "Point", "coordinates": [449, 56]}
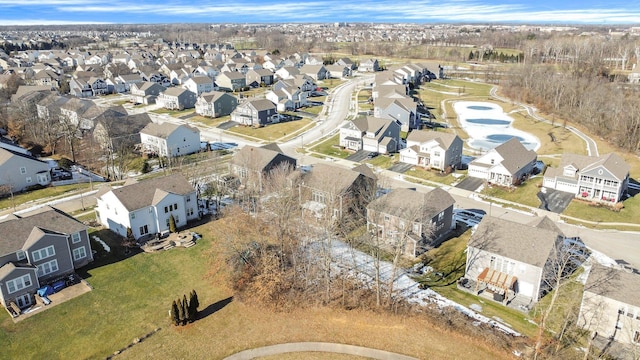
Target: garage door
{"type": "Point", "coordinates": [525, 288]}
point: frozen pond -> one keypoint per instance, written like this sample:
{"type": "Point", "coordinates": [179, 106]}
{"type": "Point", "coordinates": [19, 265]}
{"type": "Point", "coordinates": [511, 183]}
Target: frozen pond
{"type": "Point", "coordinates": [488, 126]}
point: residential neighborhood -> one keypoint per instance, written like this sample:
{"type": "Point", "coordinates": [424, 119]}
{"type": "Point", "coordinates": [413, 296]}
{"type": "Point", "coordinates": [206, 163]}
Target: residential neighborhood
{"type": "Point", "coordinates": [284, 179]}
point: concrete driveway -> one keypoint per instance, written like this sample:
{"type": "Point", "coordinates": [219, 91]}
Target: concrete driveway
{"type": "Point", "coordinates": [359, 156]}
{"type": "Point", "coordinates": [554, 200]}
{"type": "Point", "coordinates": [227, 125]}
{"type": "Point", "coordinates": [470, 184]}
{"type": "Point", "coordinates": [400, 167]}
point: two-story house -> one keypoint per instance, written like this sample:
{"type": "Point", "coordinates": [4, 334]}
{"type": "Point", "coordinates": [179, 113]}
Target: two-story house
{"type": "Point", "coordinates": [199, 84]}
{"type": "Point", "coordinates": [146, 92]}
{"type": "Point", "coordinates": [259, 77]}
{"type": "Point", "coordinates": [215, 104]}
{"type": "Point", "coordinates": [257, 112]}
{"type": "Point", "coordinates": [146, 207]}
{"type": "Point", "coordinates": [231, 80]}
{"type": "Point", "coordinates": [19, 171]}
{"type": "Point", "coordinates": [252, 165]}
{"type": "Point", "coordinates": [507, 164]}
{"type": "Point", "coordinates": [371, 134]}
{"type": "Point", "coordinates": [433, 149]}
{"type": "Point", "coordinates": [412, 220]}
{"type": "Point", "coordinates": [403, 109]}
{"type": "Point", "coordinates": [38, 249]}
{"type": "Point", "coordinates": [168, 139]}
{"type": "Point", "coordinates": [176, 98]}
{"type": "Point", "coordinates": [596, 178]}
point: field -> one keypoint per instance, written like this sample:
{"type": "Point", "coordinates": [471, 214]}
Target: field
{"type": "Point", "coordinates": [132, 296]}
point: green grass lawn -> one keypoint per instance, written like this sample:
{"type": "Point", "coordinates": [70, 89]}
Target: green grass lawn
{"type": "Point", "coordinates": [383, 161]}
{"type": "Point", "coordinates": [330, 147]}
{"type": "Point", "coordinates": [313, 109]}
{"type": "Point", "coordinates": [51, 191]}
{"type": "Point", "coordinates": [174, 113]}
{"type": "Point", "coordinates": [524, 194]}
{"type": "Point", "coordinates": [272, 132]}
{"type": "Point", "coordinates": [586, 211]}
{"type": "Point", "coordinates": [430, 175]}
{"type": "Point", "coordinates": [212, 122]}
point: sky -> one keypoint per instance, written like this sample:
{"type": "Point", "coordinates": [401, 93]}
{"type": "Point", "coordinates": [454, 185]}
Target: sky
{"type": "Point", "coordinates": [48, 12]}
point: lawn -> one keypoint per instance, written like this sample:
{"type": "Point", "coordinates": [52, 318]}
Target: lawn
{"type": "Point", "coordinates": [525, 194]}
{"type": "Point", "coordinates": [212, 122]}
{"type": "Point", "coordinates": [430, 175]}
{"type": "Point", "coordinates": [174, 113]}
{"type": "Point", "coordinates": [383, 161]}
{"type": "Point", "coordinates": [132, 296]}
{"type": "Point", "coordinates": [554, 139]}
{"type": "Point", "coordinates": [48, 192]}
{"type": "Point", "coordinates": [586, 211]}
{"type": "Point", "coordinates": [273, 132]}
{"type": "Point", "coordinates": [330, 147]}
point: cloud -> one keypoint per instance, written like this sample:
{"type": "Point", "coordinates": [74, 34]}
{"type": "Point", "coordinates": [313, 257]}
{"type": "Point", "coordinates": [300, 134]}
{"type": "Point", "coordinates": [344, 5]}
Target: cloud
{"type": "Point", "coordinates": [27, 22]}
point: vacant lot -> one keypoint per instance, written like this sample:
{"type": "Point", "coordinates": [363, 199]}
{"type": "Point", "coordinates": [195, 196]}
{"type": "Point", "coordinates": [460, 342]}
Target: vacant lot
{"type": "Point", "coordinates": [132, 296]}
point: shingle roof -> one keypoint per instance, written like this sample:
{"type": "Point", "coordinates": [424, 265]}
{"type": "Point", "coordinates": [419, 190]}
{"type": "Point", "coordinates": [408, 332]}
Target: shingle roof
{"type": "Point", "coordinates": [614, 284]}
{"type": "Point", "coordinates": [258, 158]}
{"type": "Point", "coordinates": [143, 193]}
{"type": "Point", "coordinates": [421, 136]}
{"type": "Point", "coordinates": [16, 231]}
{"type": "Point", "coordinates": [515, 155]}
{"type": "Point", "coordinates": [408, 203]}
{"type": "Point", "coordinates": [261, 104]}
{"type": "Point", "coordinates": [520, 242]}
{"type": "Point", "coordinates": [164, 130]}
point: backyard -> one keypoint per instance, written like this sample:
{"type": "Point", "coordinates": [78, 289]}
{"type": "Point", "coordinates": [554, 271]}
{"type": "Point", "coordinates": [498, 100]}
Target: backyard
{"type": "Point", "coordinates": [131, 297]}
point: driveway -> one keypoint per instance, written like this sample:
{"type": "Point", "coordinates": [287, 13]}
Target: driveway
{"type": "Point", "coordinates": [359, 156]}
{"type": "Point", "coordinates": [227, 125]}
{"type": "Point", "coordinates": [470, 183]}
{"type": "Point", "coordinates": [400, 167]}
{"type": "Point", "coordinates": [554, 200]}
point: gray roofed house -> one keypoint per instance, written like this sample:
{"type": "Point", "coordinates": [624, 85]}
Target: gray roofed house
{"type": "Point", "coordinates": [252, 164]}
{"type": "Point", "coordinates": [259, 77]}
{"type": "Point", "coordinates": [38, 248]}
{"type": "Point", "coordinates": [257, 112]}
{"type": "Point", "coordinates": [231, 80]}
{"type": "Point", "coordinates": [508, 164]}
{"type": "Point", "coordinates": [371, 134]}
{"type": "Point", "coordinates": [176, 98]}
{"type": "Point", "coordinates": [145, 92]}
{"type": "Point", "coordinates": [216, 104]}
{"type": "Point", "coordinates": [416, 221]}
{"type": "Point", "coordinates": [118, 132]}
{"type": "Point", "coordinates": [19, 171]}
{"type": "Point", "coordinates": [329, 190]}
{"type": "Point", "coordinates": [168, 139]}
{"type": "Point", "coordinates": [610, 310]}
{"type": "Point", "coordinates": [433, 149]}
{"type": "Point", "coordinates": [146, 206]}
{"type": "Point", "coordinates": [603, 179]}
{"type": "Point", "coordinates": [403, 109]}
{"type": "Point", "coordinates": [509, 259]}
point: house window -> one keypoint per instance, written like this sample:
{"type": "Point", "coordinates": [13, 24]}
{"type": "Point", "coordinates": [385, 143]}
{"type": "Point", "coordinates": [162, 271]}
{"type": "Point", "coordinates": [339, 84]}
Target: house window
{"type": "Point", "coordinates": [79, 253]}
{"type": "Point", "coordinates": [166, 209]}
{"type": "Point", "coordinates": [150, 210]}
{"type": "Point", "coordinates": [318, 197]}
{"type": "Point", "coordinates": [441, 216]}
{"type": "Point", "coordinates": [175, 206]}
{"type": "Point", "coordinates": [20, 255]}
{"type": "Point", "coordinates": [19, 283]}
{"type": "Point", "coordinates": [23, 170]}
{"type": "Point", "coordinates": [188, 198]}
{"type": "Point", "coordinates": [23, 301]}
{"type": "Point", "coordinates": [48, 267]}
{"type": "Point", "coordinates": [75, 238]}
{"type": "Point", "coordinates": [190, 212]}
{"type": "Point", "coordinates": [43, 253]}
{"type": "Point", "coordinates": [144, 230]}
{"type": "Point", "coordinates": [492, 161]}
{"type": "Point", "coordinates": [636, 336]}
{"type": "Point", "coordinates": [170, 207]}
{"type": "Point", "coordinates": [177, 219]}
{"type": "Point", "coordinates": [168, 221]}
{"type": "Point", "coordinates": [28, 179]}
{"type": "Point", "coordinates": [436, 153]}
{"type": "Point", "coordinates": [133, 215]}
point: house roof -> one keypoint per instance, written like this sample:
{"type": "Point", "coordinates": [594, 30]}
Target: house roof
{"type": "Point", "coordinates": [261, 104]}
{"type": "Point", "coordinates": [515, 155]}
{"type": "Point", "coordinates": [544, 222]}
{"type": "Point", "coordinates": [412, 205]}
{"type": "Point", "coordinates": [175, 91]}
{"type": "Point", "coordinates": [334, 178]}
{"type": "Point", "coordinates": [520, 242]}
{"type": "Point", "coordinates": [17, 230]}
{"type": "Point", "coordinates": [144, 193]}
{"type": "Point", "coordinates": [612, 162]}
{"type": "Point", "coordinates": [614, 284]}
{"type": "Point", "coordinates": [201, 80]}
{"type": "Point", "coordinates": [258, 158]}
{"type": "Point", "coordinates": [213, 96]}
{"type": "Point", "coordinates": [421, 136]}
{"type": "Point", "coordinates": [165, 129]}
{"type": "Point", "coordinates": [233, 75]}
{"type": "Point", "coordinates": [372, 124]}
{"type": "Point", "coordinates": [6, 154]}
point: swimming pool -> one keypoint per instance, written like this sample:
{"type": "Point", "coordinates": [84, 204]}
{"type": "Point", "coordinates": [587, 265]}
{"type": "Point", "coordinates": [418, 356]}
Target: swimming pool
{"type": "Point", "coordinates": [488, 126]}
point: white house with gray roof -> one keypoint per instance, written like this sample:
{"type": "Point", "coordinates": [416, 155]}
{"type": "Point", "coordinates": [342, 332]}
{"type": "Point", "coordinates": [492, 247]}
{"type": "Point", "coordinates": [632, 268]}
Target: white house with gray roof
{"type": "Point", "coordinates": [168, 139]}
{"type": "Point", "coordinates": [371, 134]}
{"type": "Point", "coordinates": [256, 112]}
{"type": "Point", "coordinates": [19, 171]}
{"type": "Point", "coordinates": [507, 164]}
{"type": "Point", "coordinates": [432, 149]}
{"type": "Point", "coordinates": [145, 207]}
{"type": "Point", "coordinates": [595, 178]}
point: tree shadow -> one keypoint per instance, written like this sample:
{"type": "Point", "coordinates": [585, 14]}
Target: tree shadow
{"type": "Point", "coordinates": [215, 307]}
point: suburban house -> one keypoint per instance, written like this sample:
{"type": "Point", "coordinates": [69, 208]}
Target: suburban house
{"type": "Point", "coordinates": [256, 112]}
{"type": "Point", "coordinates": [199, 84]}
{"type": "Point", "coordinates": [146, 207]}
{"type": "Point", "coordinates": [610, 310]}
{"type": "Point", "coordinates": [251, 165]}
{"type": "Point", "coordinates": [316, 72]}
{"type": "Point", "coordinates": [369, 65]}
{"type": "Point", "coordinates": [595, 178]}
{"type": "Point", "coordinates": [146, 92]}
{"type": "Point", "coordinates": [19, 171]}
{"type": "Point", "coordinates": [37, 250]}
{"type": "Point", "coordinates": [215, 104]}
{"type": "Point", "coordinates": [117, 133]}
{"type": "Point", "coordinates": [346, 62]}
{"type": "Point", "coordinates": [508, 259]}
{"type": "Point", "coordinates": [259, 77]}
{"type": "Point", "coordinates": [168, 139]}
{"type": "Point", "coordinates": [433, 149]}
{"type": "Point", "coordinates": [287, 96]}
{"type": "Point", "coordinates": [507, 164]}
{"type": "Point", "coordinates": [231, 80]}
{"type": "Point", "coordinates": [338, 71]}
{"type": "Point", "coordinates": [88, 87]}
{"type": "Point", "coordinates": [415, 221]}
{"type": "Point", "coordinates": [402, 109]}
{"type": "Point", "coordinates": [329, 191]}
{"type": "Point", "coordinates": [371, 134]}
{"type": "Point", "coordinates": [176, 98]}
